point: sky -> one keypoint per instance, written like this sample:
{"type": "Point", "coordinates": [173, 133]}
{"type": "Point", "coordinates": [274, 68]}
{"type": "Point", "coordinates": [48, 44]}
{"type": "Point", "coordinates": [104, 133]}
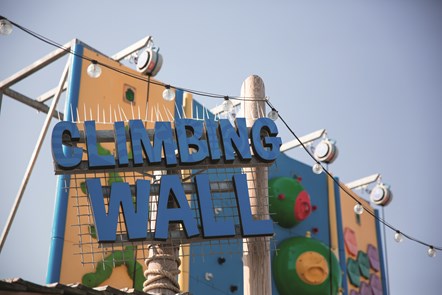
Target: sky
{"type": "Point", "coordinates": [370, 72]}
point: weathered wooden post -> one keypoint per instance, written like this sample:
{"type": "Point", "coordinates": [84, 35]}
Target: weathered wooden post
{"type": "Point", "coordinates": [256, 257]}
{"type": "Point", "coordinates": [164, 262]}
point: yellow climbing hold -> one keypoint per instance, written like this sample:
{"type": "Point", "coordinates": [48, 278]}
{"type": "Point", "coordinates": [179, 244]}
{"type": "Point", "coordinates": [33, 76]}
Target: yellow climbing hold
{"type": "Point", "coordinates": [312, 268]}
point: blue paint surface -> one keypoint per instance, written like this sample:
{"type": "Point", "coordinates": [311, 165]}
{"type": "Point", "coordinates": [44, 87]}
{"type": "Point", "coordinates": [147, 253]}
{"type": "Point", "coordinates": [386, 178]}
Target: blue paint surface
{"type": "Point", "coordinates": [61, 201]}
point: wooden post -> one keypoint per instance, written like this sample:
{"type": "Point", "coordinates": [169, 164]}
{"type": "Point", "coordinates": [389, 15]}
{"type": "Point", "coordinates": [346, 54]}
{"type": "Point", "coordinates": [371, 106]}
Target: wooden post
{"type": "Point", "coordinates": [162, 270]}
{"type": "Point", "coordinates": [256, 256]}
{"type": "Point", "coordinates": [163, 262]}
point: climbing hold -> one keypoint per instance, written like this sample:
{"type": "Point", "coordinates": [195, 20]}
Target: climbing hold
{"type": "Point", "coordinates": [289, 203]}
{"type": "Point", "coordinates": [364, 264]}
{"type": "Point", "coordinates": [305, 266]}
{"type": "Point", "coordinates": [353, 272]}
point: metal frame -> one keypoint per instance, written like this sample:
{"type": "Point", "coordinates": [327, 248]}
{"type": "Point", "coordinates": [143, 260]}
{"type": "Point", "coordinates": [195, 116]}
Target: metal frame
{"type": "Point", "coordinates": [304, 139]}
{"type": "Point", "coordinates": [38, 104]}
{"type": "Point", "coordinates": [360, 183]}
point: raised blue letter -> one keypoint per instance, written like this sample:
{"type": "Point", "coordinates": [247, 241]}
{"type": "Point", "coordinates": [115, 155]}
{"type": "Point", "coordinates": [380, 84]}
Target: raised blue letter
{"type": "Point", "coordinates": [134, 219]}
{"type": "Point", "coordinates": [211, 227]}
{"type": "Point", "coordinates": [95, 160]}
{"type": "Point", "coordinates": [249, 226]}
{"type": "Point", "coordinates": [269, 150]}
{"type": "Point", "coordinates": [140, 142]}
{"type": "Point", "coordinates": [233, 141]}
{"type": "Point", "coordinates": [66, 156]}
{"type": "Point", "coordinates": [171, 186]}
{"type": "Point", "coordinates": [191, 148]}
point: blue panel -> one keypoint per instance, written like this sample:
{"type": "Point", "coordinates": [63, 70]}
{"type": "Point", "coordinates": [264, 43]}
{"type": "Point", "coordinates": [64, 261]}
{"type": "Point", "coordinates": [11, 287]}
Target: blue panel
{"type": "Point", "coordinates": [179, 112]}
{"type": "Point", "coordinates": [341, 246]}
{"type": "Point", "coordinates": [317, 188]}
{"type": "Point", "coordinates": [381, 254]}
{"type": "Point", "coordinates": [61, 201]}
{"type": "Point", "coordinates": [227, 268]}
{"type": "Point", "coordinates": [201, 112]}
{"type": "Point", "coordinates": [58, 229]}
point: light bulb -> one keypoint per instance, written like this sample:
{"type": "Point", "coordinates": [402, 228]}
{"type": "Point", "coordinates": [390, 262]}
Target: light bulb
{"type": "Point", "coordinates": [227, 105]}
{"type": "Point", "coordinates": [431, 251]}
{"type": "Point", "coordinates": [358, 209]}
{"type": "Point", "coordinates": [398, 237]}
{"type": "Point", "coordinates": [317, 168]}
{"type": "Point", "coordinates": [5, 26]}
{"type": "Point", "coordinates": [273, 114]}
{"type": "Point", "coordinates": [94, 69]}
{"type": "Point", "coordinates": [168, 94]}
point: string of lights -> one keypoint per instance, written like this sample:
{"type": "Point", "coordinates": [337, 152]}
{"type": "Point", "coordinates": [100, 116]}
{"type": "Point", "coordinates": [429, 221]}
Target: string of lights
{"type": "Point", "coordinates": [6, 28]}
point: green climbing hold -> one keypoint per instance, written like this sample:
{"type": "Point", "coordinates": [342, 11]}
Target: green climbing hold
{"type": "Point", "coordinates": [305, 266]}
{"type": "Point", "coordinates": [92, 231]}
{"type": "Point", "coordinates": [114, 177]}
{"type": "Point", "coordinates": [353, 272]}
{"type": "Point", "coordinates": [105, 267]}
{"type": "Point", "coordinates": [102, 151]}
{"type": "Point", "coordinates": [289, 203]}
{"type": "Point", "coordinates": [129, 95]}
{"type": "Point", "coordinates": [83, 187]}
{"type": "Point", "coordinates": [364, 264]}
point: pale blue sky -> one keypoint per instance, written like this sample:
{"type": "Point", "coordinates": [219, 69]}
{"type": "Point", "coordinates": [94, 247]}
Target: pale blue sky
{"type": "Point", "coordinates": [370, 72]}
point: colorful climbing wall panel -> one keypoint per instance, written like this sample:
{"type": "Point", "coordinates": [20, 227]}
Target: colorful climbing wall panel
{"type": "Point", "coordinates": [361, 248]}
{"type": "Point", "coordinates": [75, 256]}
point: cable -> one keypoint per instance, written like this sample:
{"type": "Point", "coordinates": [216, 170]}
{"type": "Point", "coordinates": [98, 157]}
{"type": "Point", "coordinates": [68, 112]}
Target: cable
{"type": "Point", "coordinates": [346, 190]}
{"type": "Point", "coordinates": [214, 95]}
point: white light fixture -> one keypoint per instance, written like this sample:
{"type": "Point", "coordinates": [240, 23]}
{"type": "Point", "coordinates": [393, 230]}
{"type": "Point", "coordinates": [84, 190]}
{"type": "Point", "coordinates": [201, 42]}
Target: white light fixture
{"type": "Point", "coordinates": [168, 94]}
{"type": "Point", "coordinates": [273, 114]}
{"type": "Point", "coordinates": [317, 168]}
{"type": "Point", "coordinates": [149, 62]}
{"type": "Point", "coordinates": [398, 237]}
{"type": "Point", "coordinates": [431, 251]}
{"type": "Point", "coordinates": [358, 209]}
{"type": "Point", "coordinates": [5, 26]}
{"type": "Point", "coordinates": [381, 194]}
{"type": "Point", "coordinates": [94, 69]}
{"type": "Point", "coordinates": [227, 105]}
{"type": "Point", "coordinates": [326, 151]}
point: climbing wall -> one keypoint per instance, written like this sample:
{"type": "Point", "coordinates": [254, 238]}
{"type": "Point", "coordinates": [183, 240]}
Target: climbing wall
{"type": "Point", "coordinates": [320, 246]}
{"type": "Point", "coordinates": [75, 255]}
{"type": "Point", "coordinates": [364, 271]}
{"type": "Point", "coordinates": [303, 262]}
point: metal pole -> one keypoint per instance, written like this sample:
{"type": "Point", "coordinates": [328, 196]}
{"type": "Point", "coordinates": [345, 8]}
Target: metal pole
{"type": "Point", "coordinates": [256, 256]}
{"type": "Point", "coordinates": [34, 156]}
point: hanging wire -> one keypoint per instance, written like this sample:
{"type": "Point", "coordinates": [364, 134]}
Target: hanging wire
{"type": "Point", "coordinates": [243, 98]}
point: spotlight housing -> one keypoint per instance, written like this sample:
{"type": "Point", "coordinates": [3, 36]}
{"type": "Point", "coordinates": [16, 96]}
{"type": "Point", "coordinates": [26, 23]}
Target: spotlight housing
{"type": "Point", "coordinates": [381, 195]}
{"type": "Point", "coordinates": [326, 151]}
{"type": "Point", "coordinates": [149, 62]}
